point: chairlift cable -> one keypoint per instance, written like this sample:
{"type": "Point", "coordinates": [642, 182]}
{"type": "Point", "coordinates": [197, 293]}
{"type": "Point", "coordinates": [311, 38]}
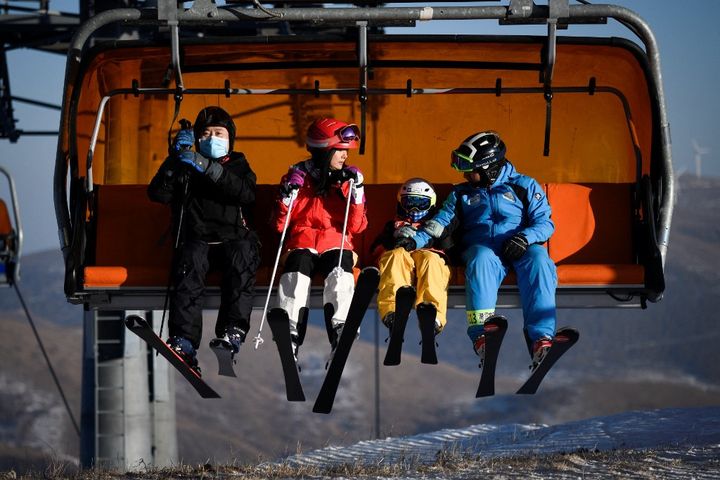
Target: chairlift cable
{"type": "Point", "coordinates": [47, 359]}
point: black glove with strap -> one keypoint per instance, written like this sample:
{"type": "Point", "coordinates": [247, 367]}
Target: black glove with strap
{"type": "Point", "coordinates": [514, 247]}
{"type": "Point", "coordinates": [408, 243]}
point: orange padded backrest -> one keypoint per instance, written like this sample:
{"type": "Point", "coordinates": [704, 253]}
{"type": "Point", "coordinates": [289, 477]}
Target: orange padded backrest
{"type": "Point", "coordinates": [593, 223]}
{"type": "Point", "coordinates": [132, 230]}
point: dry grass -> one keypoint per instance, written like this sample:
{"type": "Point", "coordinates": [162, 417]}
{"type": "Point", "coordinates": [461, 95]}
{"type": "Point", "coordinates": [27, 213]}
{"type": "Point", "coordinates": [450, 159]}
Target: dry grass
{"type": "Point", "coordinates": [677, 462]}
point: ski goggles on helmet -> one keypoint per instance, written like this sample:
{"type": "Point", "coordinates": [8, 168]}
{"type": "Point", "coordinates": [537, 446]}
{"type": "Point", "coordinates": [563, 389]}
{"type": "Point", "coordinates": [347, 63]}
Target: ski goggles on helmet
{"type": "Point", "coordinates": [416, 203]}
{"type": "Point", "coordinates": [462, 163]}
{"type": "Point", "coordinates": [348, 133]}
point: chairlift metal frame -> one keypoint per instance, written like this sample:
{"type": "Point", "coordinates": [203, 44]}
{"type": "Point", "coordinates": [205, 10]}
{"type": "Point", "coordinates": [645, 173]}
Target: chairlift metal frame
{"type": "Point", "coordinates": [205, 14]}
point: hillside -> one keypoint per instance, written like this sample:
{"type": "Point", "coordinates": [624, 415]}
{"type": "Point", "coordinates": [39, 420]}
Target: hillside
{"type": "Point", "coordinates": [626, 360]}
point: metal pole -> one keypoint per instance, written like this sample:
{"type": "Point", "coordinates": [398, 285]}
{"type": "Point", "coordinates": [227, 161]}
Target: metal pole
{"type": "Point", "coordinates": [377, 374]}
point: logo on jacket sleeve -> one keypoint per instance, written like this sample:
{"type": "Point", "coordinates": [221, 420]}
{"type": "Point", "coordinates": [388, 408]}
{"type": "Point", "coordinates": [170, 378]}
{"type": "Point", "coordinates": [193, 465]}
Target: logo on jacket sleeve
{"type": "Point", "coordinates": [509, 196]}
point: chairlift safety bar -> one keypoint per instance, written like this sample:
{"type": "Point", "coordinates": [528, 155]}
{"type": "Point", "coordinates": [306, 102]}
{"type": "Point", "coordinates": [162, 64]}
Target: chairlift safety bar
{"type": "Point", "coordinates": [590, 89]}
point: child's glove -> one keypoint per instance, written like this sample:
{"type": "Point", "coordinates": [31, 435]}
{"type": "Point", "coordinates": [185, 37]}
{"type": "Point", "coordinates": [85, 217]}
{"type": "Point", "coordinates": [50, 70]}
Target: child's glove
{"type": "Point", "coordinates": [406, 231]}
{"type": "Point", "coordinates": [408, 243]}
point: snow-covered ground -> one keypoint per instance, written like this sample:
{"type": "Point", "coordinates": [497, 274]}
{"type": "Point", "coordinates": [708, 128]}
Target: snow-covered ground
{"type": "Point", "coordinates": [674, 430]}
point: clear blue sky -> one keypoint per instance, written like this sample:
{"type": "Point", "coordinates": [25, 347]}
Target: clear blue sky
{"type": "Point", "coordinates": [690, 52]}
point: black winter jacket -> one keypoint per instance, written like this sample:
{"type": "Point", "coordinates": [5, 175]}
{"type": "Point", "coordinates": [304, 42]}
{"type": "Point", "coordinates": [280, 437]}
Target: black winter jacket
{"type": "Point", "coordinates": [214, 211]}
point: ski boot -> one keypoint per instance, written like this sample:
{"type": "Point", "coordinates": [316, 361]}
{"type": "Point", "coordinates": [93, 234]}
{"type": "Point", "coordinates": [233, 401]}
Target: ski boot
{"type": "Point", "coordinates": [540, 349]}
{"type": "Point", "coordinates": [295, 346]}
{"type": "Point", "coordinates": [479, 347]}
{"type": "Point", "coordinates": [388, 320]}
{"type": "Point", "coordinates": [185, 350]}
{"type": "Point", "coordinates": [479, 343]}
{"type": "Point", "coordinates": [334, 335]}
{"type": "Point", "coordinates": [231, 340]}
{"type": "Point", "coordinates": [235, 336]}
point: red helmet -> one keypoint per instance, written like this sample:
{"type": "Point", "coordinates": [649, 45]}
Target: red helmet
{"type": "Point", "coordinates": [328, 133]}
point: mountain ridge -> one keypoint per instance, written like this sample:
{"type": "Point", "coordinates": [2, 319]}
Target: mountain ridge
{"type": "Point", "coordinates": [634, 359]}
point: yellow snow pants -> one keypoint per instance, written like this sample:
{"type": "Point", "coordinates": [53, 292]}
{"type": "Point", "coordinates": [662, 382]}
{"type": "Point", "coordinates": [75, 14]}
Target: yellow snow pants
{"type": "Point", "coordinates": [424, 269]}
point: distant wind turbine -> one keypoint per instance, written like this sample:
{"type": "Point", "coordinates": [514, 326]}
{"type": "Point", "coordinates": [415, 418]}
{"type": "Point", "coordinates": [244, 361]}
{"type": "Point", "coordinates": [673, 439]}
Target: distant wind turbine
{"type": "Point", "coordinates": [677, 184]}
{"type": "Point", "coordinates": [699, 152]}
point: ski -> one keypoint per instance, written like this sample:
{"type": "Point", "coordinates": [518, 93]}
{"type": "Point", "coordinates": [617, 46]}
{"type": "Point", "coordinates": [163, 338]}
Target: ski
{"type": "Point", "coordinates": [280, 325]}
{"type": "Point", "coordinates": [564, 339]}
{"type": "Point", "coordinates": [426, 317]}
{"type": "Point", "coordinates": [142, 329]}
{"type": "Point", "coordinates": [495, 328]}
{"type": "Point", "coordinates": [404, 303]}
{"type": "Point", "coordinates": [364, 290]}
{"type": "Point", "coordinates": [224, 353]}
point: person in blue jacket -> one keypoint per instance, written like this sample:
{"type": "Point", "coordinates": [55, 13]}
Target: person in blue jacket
{"type": "Point", "coordinates": [501, 219]}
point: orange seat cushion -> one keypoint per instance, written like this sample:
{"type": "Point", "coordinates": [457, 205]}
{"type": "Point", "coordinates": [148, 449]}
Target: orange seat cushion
{"type": "Point", "coordinates": [592, 243]}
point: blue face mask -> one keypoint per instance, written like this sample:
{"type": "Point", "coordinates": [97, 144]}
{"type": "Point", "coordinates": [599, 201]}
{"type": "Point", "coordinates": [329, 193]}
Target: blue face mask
{"type": "Point", "coordinates": [214, 147]}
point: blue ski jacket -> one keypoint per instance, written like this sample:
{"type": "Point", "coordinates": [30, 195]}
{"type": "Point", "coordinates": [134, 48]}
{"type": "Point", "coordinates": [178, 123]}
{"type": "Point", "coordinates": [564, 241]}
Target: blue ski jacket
{"type": "Point", "coordinates": [514, 203]}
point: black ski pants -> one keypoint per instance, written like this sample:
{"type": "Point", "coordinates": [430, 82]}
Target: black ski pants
{"type": "Point", "coordinates": [238, 261]}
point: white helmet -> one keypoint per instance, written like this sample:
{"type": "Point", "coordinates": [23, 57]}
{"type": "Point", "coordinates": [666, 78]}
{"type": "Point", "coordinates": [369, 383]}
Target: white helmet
{"type": "Point", "coordinates": [415, 198]}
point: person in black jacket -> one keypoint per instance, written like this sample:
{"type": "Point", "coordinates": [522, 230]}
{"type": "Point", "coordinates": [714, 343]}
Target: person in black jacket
{"type": "Point", "coordinates": [212, 190]}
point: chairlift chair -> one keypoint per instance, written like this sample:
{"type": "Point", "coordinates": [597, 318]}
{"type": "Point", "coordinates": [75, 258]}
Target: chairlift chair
{"type": "Point", "coordinates": [11, 236]}
{"type": "Point", "coordinates": [585, 116]}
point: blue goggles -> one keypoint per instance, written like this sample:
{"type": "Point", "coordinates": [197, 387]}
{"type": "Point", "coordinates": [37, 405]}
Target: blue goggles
{"type": "Point", "coordinates": [416, 203]}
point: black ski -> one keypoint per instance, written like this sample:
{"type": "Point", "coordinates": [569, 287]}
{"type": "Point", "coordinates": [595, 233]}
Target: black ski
{"type": "Point", "coordinates": [280, 325]}
{"type": "Point", "coordinates": [426, 317]}
{"type": "Point", "coordinates": [364, 290]}
{"type": "Point", "coordinates": [495, 328]}
{"type": "Point", "coordinates": [224, 353]}
{"type": "Point", "coordinates": [564, 339]}
{"type": "Point", "coordinates": [142, 329]}
{"type": "Point", "coordinates": [404, 303]}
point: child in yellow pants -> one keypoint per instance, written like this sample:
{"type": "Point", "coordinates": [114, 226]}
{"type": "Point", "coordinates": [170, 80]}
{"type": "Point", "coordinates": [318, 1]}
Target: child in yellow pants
{"type": "Point", "coordinates": [401, 264]}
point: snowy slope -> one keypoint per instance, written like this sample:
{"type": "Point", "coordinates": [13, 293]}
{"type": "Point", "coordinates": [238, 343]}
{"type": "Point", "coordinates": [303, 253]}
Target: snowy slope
{"type": "Point", "coordinates": [695, 428]}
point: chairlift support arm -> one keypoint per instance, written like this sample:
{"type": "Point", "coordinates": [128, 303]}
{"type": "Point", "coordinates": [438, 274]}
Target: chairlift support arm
{"type": "Point", "coordinates": [363, 87]}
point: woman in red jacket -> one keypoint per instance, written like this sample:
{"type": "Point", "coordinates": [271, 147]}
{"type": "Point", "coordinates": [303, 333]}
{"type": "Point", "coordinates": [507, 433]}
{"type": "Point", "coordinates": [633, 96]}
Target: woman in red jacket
{"type": "Point", "coordinates": [319, 189]}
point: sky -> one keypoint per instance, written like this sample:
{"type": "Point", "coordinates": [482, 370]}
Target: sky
{"type": "Point", "coordinates": [690, 60]}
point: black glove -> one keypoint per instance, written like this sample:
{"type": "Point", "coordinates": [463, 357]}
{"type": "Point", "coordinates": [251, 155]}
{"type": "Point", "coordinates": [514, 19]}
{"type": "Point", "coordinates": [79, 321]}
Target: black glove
{"type": "Point", "coordinates": [408, 243]}
{"type": "Point", "coordinates": [514, 247]}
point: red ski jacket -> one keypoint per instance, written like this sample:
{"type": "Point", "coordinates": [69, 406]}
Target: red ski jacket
{"type": "Point", "coordinates": [316, 222]}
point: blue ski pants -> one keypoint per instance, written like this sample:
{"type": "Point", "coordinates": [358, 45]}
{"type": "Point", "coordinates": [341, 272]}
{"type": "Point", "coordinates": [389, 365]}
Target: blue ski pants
{"type": "Point", "coordinates": [536, 279]}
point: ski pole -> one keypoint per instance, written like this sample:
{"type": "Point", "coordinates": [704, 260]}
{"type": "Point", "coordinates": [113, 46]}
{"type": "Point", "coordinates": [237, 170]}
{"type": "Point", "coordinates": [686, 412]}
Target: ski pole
{"type": "Point", "coordinates": [344, 230]}
{"type": "Point", "coordinates": [185, 180]}
{"type": "Point", "coordinates": [258, 340]}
